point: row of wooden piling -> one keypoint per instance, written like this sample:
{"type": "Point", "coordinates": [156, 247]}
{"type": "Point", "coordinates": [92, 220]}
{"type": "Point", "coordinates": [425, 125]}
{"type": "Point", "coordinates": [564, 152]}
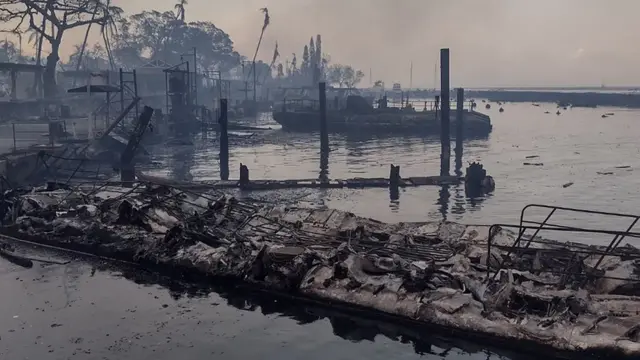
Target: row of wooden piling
{"type": "Point", "coordinates": [394, 176]}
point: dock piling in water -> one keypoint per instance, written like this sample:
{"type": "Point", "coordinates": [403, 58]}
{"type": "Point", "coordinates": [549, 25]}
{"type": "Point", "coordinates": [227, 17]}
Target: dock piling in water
{"type": "Point", "coordinates": [224, 141]}
{"type": "Point", "coordinates": [244, 176]}
{"type": "Point", "coordinates": [445, 138]}
{"type": "Point", "coordinates": [459, 129]}
{"type": "Point", "coordinates": [324, 135]}
{"type": "Point", "coordinates": [394, 176]}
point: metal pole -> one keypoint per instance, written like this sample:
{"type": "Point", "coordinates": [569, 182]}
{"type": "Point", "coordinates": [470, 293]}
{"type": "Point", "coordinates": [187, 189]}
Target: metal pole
{"type": "Point", "coordinates": [195, 76]}
{"type": "Point", "coordinates": [14, 137]}
{"type": "Point", "coordinates": [459, 129]}
{"type": "Point", "coordinates": [108, 112]}
{"type": "Point", "coordinates": [445, 120]}
{"type": "Point", "coordinates": [224, 141]}
{"type": "Point", "coordinates": [135, 92]}
{"type": "Point", "coordinates": [121, 90]}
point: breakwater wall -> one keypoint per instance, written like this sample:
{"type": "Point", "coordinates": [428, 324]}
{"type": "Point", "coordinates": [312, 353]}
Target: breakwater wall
{"type": "Point", "coordinates": [577, 99]}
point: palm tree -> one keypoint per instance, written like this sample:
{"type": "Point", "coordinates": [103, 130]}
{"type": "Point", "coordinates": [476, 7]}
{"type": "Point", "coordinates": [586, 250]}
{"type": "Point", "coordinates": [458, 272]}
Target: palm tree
{"type": "Point", "coordinates": [18, 33]}
{"type": "Point", "coordinates": [35, 38]}
{"type": "Point", "coordinates": [84, 43]}
{"type": "Point", "coordinates": [109, 29]}
{"type": "Point", "coordinates": [180, 13]}
{"type": "Point", "coordinates": [265, 24]}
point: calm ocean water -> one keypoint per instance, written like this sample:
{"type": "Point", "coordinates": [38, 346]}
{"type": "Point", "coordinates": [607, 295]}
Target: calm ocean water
{"type": "Point", "coordinates": [588, 162]}
{"type": "Point", "coordinates": [62, 312]}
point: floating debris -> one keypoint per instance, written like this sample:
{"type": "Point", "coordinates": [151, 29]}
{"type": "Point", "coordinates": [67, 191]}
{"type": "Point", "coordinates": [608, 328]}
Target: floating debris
{"type": "Point", "coordinates": [567, 185]}
{"type": "Point", "coordinates": [532, 157]}
{"type": "Point", "coordinates": [568, 297]}
{"type": "Point", "coordinates": [477, 182]}
{"type": "Point", "coordinates": [533, 164]}
{"type": "Point", "coordinates": [604, 172]}
{"type": "Point", "coordinates": [14, 258]}
{"type": "Point", "coordinates": [501, 110]}
{"type": "Point", "coordinates": [623, 167]}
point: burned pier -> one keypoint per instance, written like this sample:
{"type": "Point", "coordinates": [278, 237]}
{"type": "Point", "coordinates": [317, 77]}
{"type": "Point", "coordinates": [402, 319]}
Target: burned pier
{"type": "Point", "coordinates": [482, 282]}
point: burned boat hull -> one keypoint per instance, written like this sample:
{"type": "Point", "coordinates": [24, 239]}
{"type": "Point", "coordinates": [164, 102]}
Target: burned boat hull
{"type": "Point", "coordinates": [425, 273]}
{"type": "Point", "coordinates": [394, 122]}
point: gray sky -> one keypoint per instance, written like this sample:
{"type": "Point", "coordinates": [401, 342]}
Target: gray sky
{"type": "Point", "coordinates": [492, 42]}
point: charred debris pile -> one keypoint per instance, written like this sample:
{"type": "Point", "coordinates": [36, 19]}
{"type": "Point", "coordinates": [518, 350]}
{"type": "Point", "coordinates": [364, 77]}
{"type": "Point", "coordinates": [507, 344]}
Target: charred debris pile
{"type": "Point", "coordinates": [567, 297]}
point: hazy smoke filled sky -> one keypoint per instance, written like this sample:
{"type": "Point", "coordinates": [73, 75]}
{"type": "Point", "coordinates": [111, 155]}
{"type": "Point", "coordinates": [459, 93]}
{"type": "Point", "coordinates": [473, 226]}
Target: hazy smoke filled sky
{"type": "Point", "coordinates": [492, 42]}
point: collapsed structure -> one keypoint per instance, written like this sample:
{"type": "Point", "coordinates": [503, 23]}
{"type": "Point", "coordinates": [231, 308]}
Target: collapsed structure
{"type": "Point", "coordinates": [464, 278]}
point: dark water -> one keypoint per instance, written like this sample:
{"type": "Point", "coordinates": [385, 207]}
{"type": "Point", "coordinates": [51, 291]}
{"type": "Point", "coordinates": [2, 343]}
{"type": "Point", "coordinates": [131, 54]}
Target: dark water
{"type": "Point", "coordinates": [82, 311]}
{"type": "Point", "coordinates": [71, 312]}
{"type": "Point", "coordinates": [578, 147]}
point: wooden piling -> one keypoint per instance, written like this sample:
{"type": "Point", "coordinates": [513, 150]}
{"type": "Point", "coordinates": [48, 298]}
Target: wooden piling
{"type": "Point", "coordinates": [224, 141]}
{"type": "Point", "coordinates": [459, 129]}
{"type": "Point", "coordinates": [244, 176]}
{"type": "Point", "coordinates": [445, 136]}
{"type": "Point", "coordinates": [324, 167]}
{"type": "Point", "coordinates": [324, 135]}
{"type": "Point", "coordinates": [394, 176]}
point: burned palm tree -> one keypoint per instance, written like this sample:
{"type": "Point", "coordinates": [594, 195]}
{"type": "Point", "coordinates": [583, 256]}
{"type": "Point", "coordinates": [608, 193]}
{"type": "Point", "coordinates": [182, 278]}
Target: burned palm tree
{"type": "Point", "coordinates": [83, 47]}
{"type": "Point", "coordinates": [265, 24]}
{"type": "Point", "coordinates": [109, 29]}
{"type": "Point", "coordinates": [110, 15]}
{"type": "Point", "coordinates": [276, 55]}
{"type": "Point", "coordinates": [180, 12]}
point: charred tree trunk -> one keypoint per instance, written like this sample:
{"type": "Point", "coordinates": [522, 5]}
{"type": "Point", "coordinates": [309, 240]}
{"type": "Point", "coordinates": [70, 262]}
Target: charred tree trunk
{"type": "Point", "coordinates": [49, 78]}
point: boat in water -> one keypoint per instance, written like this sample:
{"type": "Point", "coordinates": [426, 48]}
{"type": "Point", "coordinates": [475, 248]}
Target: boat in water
{"type": "Point", "coordinates": [357, 115]}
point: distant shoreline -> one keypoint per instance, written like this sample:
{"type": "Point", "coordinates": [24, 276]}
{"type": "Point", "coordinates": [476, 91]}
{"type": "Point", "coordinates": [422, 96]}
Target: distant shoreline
{"type": "Point", "coordinates": [574, 98]}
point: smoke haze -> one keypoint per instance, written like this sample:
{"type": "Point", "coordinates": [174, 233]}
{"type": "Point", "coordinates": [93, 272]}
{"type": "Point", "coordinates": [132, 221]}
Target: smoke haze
{"type": "Point", "coordinates": [492, 42]}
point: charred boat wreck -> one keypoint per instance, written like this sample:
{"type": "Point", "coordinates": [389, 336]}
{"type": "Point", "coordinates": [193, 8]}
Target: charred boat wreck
{"type": "Point", "coordinates": [357, 115]}
{"type": "Point", "coordinates": [470, 280]}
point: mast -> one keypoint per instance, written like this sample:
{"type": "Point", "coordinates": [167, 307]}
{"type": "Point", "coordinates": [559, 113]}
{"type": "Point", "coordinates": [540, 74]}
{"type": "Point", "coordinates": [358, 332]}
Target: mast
{"type": "Point", "coordinates": [435, 75]}
{"type": "Point", "coordinates": [411, 76]}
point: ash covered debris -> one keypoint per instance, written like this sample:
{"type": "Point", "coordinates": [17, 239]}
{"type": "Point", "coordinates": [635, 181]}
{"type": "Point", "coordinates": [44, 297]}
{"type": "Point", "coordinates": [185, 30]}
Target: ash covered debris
{"type": "Point", "coordinates": [434, 273]}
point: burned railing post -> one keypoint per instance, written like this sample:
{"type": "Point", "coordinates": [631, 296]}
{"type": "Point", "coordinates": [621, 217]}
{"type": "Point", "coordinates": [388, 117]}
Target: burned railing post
{"type": "Point", "coordinates": [445, 120]}
{"type": "Point", "coordinates": [244, 176]}
{"type": "Point", "coordinates": [459, 130]}
{"type": "Point", "coordinates": [224, 141]}
{"type": "Point", "coordinates": [324, 135]}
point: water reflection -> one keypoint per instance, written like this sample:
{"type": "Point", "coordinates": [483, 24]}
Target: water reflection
{"type": "Point", "coordinates": [181, 159]}
{"type": "Point", "coordinates": [443, 201]}
{"type": "Point", "coordinates": [324, 166]}
{"type": "Point", "coordinates": [394, 198]}
{"type": "Point", "coordinates": [459, 201]}
{"type": "Point", "coordinates": [347, 327]}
